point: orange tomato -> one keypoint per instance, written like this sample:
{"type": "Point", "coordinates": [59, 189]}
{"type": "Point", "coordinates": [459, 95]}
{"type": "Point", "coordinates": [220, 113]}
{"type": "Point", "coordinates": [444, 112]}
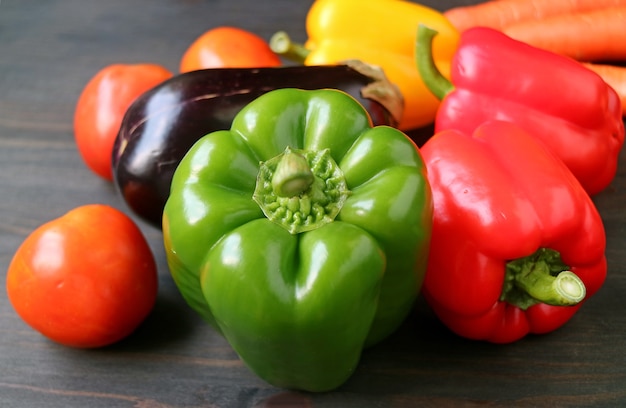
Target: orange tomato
{"type": "Point", "coordinates": [101, 108]}
{"type": "Point", "coordinates": [86, 279]}
{"type": "Point", "coordinates": [228, 47]}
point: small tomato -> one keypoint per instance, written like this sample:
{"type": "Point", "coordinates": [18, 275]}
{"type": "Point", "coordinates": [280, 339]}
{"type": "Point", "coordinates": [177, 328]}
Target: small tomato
{"type": "Point", "coordinates": [86, 279]}
{"type": "Point", "coordinates": [228, 47]}
{"type": "Point", "coordinates": [101, 107]}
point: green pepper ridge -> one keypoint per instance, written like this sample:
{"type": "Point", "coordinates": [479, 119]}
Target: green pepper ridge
{"type": "Point", "coordinates": [301, 190]}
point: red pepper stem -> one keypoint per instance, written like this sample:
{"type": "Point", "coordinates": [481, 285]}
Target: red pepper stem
{"type": "Point", "coordinates": [541, 278]}
{"type": "Point", "coordinates": [439, 85]}
{"type": "Point", "coordinates": [565, 289]}
{"type": "Point", "coordinates": [282, 45]}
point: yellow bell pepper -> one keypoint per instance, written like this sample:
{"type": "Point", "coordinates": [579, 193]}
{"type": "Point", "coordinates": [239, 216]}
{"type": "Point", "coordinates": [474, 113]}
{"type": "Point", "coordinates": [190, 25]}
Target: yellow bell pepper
{"type": "Point", "coordinates": [382, 33]}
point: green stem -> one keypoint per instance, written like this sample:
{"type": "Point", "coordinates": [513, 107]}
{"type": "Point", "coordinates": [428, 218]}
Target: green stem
{"type": "Point", "coordinates": [542, 278]}
{"type": "Point", "coordinates": [282, 45]}
{"type": "Point", "coordinates": [439, 85]}
{"type": "Point", "coordinates": [293, 176]}
{"type": "Point", "coordinates": [564, 289]}
{"type": "Point", "coordinates": [300, 189]}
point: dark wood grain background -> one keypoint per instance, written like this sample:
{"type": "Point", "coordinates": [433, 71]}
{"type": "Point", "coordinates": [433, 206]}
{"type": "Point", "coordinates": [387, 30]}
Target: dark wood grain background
{"type": "Point", "coordinates": [48, 51]}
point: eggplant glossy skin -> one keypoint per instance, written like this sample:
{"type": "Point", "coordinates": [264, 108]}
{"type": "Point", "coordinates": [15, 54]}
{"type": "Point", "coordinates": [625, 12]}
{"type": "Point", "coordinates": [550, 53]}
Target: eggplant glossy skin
{"type": "Point", "coordinates": [162, 124]}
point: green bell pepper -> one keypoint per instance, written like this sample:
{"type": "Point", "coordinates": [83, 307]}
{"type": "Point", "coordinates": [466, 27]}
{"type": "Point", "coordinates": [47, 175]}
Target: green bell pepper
{"type": "Point", "coordinates": [301, 234]}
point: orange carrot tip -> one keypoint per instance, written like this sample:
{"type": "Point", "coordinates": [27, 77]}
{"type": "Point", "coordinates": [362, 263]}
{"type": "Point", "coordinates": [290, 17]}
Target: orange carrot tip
{"type": "Point", "coordinates": [502, 13]}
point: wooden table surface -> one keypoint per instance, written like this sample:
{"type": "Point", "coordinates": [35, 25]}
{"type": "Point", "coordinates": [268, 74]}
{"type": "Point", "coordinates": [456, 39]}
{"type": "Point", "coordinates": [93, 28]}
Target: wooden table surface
{"type": "Point", "coordinates": [48, 51]}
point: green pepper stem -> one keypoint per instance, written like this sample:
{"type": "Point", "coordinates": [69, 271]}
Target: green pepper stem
{"type": "Point", "coordinates": [293, 175]}
{"type": "Point", "coordinates": [301, 189]}
{"type": "Point", "coordinates": [282, 45]}
{"type": "Point", "coordinates": [439, 85]}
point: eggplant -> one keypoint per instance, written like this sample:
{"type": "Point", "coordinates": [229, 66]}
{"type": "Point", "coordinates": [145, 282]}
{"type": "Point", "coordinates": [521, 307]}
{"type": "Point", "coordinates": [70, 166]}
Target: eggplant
{"type": "Point", "coordinates": [163, 123]}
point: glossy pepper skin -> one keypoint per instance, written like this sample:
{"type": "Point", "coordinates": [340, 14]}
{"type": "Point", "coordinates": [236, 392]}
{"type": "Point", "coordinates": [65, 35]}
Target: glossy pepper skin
{"type": "Point", "coordinates": [382, 33]}
{"type": "Point", "coordinates": [300, 234]}
{"type": "Point", "coordinates": [509, 217]}
{"type": "Point", "coordinates": [565, 105]}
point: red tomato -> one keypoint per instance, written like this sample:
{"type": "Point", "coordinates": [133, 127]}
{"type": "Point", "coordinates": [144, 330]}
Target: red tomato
{"type": "Point", "coordinates": [228, 47]}
{"type": "Point", "coordinates": [86, 279]}
{"type": "Point", "coordinates": [101, 108]}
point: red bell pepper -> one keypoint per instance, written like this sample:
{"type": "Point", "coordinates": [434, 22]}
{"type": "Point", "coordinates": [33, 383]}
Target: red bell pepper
{"type": "Point", "coordinates": [565, 105]}
{"type": "Point", "coordinates": [517, 244]}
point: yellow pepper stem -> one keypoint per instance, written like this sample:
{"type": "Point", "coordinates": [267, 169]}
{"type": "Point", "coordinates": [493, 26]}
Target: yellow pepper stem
{"type": "Point", "coordinates": [282, 45]}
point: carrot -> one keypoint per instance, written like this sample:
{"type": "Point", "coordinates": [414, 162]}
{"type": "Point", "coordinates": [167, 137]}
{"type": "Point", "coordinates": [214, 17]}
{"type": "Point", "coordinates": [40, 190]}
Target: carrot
{"type": "Point", "coordinates": [585, 36]}
{"type": "Point", "coordinates": [502, 13]}
{"type": "Point", "coordinates": [615, 76]}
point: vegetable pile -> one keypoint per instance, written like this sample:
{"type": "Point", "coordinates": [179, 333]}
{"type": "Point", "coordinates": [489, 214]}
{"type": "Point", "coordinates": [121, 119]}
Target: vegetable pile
{"type": "Point", "coordinates": [155, 133]}
{"type": "Point", "coordinates": [298, 188]}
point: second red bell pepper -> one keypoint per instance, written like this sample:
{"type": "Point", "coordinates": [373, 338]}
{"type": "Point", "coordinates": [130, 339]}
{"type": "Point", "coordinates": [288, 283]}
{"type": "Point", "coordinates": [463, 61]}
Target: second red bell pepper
{"type": "Point", "coordinates": [517, 244]}
{"type": "Point", "coordinates": [562, 103]}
